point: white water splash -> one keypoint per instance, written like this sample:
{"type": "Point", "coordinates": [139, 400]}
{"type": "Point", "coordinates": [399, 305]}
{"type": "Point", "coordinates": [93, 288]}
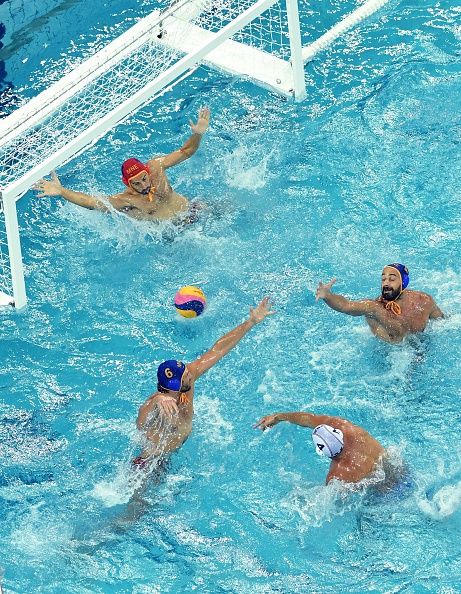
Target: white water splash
{"type": "Point", "coordinates": [212, 426]}
{"type": "Point", "coordinates": [445, 502]}
{"type": "Point", "coordinates": [318, 504]}
{"type": "Point", "coordinates": [117, 491]}
{"type": "Point", "coordinates": [239, 173]}
{"type": "Point", "coordinates": [120, 229]}
{"type": "Point", "coordinates": [40, 534]}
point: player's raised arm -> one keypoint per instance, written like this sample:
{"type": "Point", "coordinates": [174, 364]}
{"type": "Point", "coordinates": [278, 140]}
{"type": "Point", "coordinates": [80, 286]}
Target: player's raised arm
{"type": "Point", "coordinates": [53, 187]}
{"type": "Point", "coordinates": [192, 143]}
{"type": "Point", "coordinates": [227, 342]}
{"type": "Point", "coordinates": [363, 307]}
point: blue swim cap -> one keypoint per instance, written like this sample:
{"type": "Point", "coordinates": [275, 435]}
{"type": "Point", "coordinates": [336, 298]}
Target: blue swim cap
{"type": "Point", "coordinates": [404, 274]}
{"type": "Point", "coordinates": [169, 374]}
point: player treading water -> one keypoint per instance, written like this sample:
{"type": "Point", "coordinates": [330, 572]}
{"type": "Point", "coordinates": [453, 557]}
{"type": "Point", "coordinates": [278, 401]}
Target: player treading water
{"type": "Point", "coordinates": [148, 194]}
{"type": "Point", "coordinates": [166, 417]}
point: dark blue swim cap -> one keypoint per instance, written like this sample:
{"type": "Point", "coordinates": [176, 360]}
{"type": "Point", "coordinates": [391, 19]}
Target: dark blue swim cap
{"type": "Point", "coordinates": [169, 374]}
{"type": "Point", "coordinates": [404, 274]}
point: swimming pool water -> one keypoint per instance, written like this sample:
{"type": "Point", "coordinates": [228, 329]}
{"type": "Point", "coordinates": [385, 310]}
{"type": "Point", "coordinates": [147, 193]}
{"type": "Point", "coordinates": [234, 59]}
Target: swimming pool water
{"type": "Point", "coordinates": [364, 172]}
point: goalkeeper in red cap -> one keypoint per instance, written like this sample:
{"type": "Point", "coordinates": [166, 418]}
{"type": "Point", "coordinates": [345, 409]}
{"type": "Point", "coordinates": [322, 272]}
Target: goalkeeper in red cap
{"type": "Point", "coordinates": [148, 194]}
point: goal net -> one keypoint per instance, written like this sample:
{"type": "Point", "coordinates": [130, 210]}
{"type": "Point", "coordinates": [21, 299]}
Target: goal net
{"type": "Point", "coordinates": [259, 40]}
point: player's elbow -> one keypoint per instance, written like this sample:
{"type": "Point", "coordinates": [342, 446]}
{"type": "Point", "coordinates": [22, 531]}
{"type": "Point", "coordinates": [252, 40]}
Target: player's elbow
{"type": "Point", "coordinates": [187, 153]}
{"type": "Point", "coordinates": [351, 309]}
{"type": "Point", "coordinates": [437, 315]}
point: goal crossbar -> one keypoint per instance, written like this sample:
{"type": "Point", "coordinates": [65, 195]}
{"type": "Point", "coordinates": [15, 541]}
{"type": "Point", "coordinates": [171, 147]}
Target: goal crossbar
{"type": "Point", "coordinates": [233, 57]}
{"type": "Point", "coordinates": [259, 40]}
{"type": "Point", "coordinates": [32, 115]}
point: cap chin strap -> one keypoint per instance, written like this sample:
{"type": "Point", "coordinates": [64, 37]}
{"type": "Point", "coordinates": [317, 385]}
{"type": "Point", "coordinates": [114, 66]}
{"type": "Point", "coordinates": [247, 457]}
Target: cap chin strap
{"type": "Point", "coordinates": [183, 398]}
{"type": "Point", "coordinates": [392, 306]}
{"type": "Point", "coordinates": [151, 194]}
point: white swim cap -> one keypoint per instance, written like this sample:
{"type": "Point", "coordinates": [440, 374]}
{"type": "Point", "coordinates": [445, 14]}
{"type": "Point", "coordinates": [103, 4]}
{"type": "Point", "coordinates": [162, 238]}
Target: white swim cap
{"type": "Point", "coordinates": [328, 440]}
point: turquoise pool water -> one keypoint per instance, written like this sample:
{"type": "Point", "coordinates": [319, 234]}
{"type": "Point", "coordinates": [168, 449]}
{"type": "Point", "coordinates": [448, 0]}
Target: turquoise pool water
{"type": "Point", "coordinates": [364, 172]}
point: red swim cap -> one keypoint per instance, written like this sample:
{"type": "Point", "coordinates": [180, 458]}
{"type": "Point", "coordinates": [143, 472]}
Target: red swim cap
{"type": "Point", "coordinates": [131, 168]}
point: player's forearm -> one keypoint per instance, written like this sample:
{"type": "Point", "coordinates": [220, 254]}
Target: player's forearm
{"type": "Point", "coordinates": [337, 302]}
{"type": "Point", "coordinates": [302, 419]}
{"type": "Point", "coordinates": [227, 342]}
{"type": "Point", "coordinates": [191, 144]}
{"type": "Point", "coordinates": [82, 199]}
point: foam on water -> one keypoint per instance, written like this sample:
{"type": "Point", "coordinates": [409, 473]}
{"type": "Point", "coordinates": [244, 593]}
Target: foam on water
{"type": "Point", "coordinates": [317, 504]}
{"type": "Point", "coordinates": [39, 535]}
{"type": "Point", "coordinates": [443, 503]}
{"type": "Point", "coordinates": [240, 173]}
{"type": "Point", "coordinates": [210, 423]}
{"type": "Point", "coordinates": [122, 487]}
{"type": "Point", "coordinates": [124, 232]}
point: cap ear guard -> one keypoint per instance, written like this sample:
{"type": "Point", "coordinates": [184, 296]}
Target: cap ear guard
{"type": "Point", "coordinates": [403, 272]}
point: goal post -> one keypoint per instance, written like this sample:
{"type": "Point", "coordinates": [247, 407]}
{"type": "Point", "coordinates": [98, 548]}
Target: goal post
{"type": "Point", "coordinates": [12, 285]}
{"type": "Point", "coordinates": [259, 40]}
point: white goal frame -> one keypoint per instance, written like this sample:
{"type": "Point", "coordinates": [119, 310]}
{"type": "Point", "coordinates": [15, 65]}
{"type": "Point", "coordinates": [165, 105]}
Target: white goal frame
{"type": "Point", "coordinates": [179, 28]}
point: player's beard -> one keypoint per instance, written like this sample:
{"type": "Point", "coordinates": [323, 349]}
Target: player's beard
{"type": "Point", "coordinates": [389, 294]}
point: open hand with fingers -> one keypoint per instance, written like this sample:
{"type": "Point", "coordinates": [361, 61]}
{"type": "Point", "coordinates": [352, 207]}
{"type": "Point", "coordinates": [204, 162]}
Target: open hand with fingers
{"type": "Point", "coordinates": [202, 123]}
{"type": "Point", "coordinates": [52, 187]}
{"type": "Point", "coordinates": [323, 290]}
{"type": "Point", "coordinates": [261, 311]}
{"type": "Point", "coordinates": [267, 422]}
{"type": "Point", "coordinates": [167, 405]}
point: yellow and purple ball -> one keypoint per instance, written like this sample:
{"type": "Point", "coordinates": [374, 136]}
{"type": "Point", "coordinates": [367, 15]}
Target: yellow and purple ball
{"type": "Point", "coordinates": [190, 301]}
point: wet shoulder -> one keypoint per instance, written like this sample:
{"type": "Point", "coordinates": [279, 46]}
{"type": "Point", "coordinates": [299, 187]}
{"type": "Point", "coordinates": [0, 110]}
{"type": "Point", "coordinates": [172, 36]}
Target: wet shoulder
{"type": "Point", "coordinates": [120, 200]}
{"type": "Point", "coordinates": [151, 400]}
{"type": "Point", "coordinates": [356, 433]}
{"type": "Point", "coordinates": [155, 164]}
{"type": "Point", "coordinates": [420, 298]}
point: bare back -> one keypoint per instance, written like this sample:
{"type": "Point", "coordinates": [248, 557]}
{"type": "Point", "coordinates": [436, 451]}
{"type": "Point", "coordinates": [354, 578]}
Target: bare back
{"type": "Point", "coordinates": [359, 457]}
{"type": "Point", "coordinates": [416, 309]}
{"type": "Point", "coordinates": [162, 203]}
{"type": "Point", "coordinates": [166, 434]}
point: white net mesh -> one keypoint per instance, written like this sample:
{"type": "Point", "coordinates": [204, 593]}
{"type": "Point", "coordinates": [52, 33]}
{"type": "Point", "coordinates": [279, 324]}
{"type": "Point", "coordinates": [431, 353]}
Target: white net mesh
{"type": "Point", "coordinates": [40, 134]}
{"type": "Point", "coordinates": [268, 32]}
{"type": "Point", "coordinates": [60, 122]}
